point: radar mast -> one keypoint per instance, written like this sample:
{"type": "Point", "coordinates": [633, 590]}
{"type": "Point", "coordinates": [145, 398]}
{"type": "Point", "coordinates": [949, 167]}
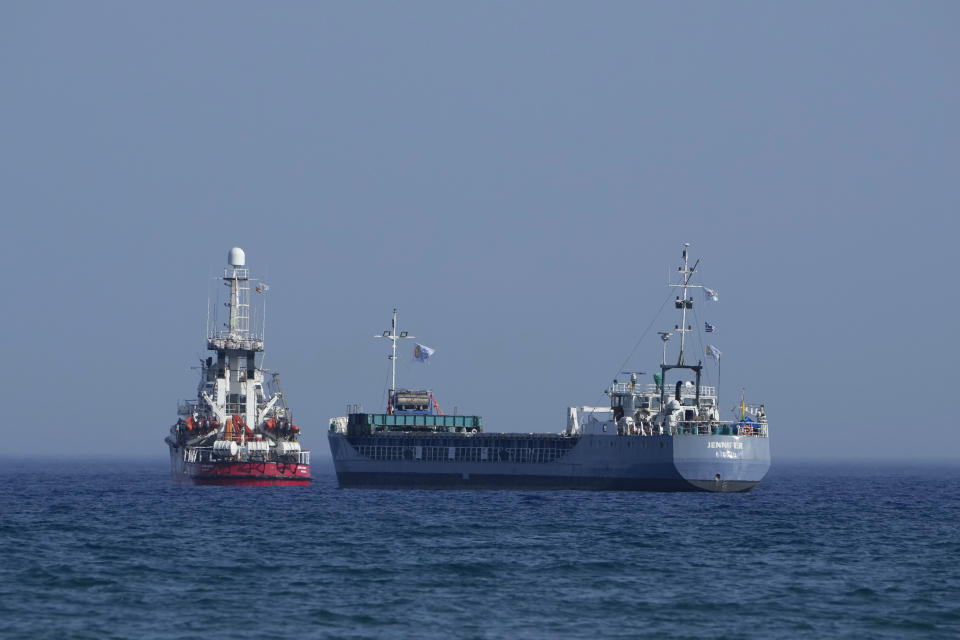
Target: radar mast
{"type": "Point", "coordinates": [392, 336]}
{"type": "Point", "coordinates": [683, 302]}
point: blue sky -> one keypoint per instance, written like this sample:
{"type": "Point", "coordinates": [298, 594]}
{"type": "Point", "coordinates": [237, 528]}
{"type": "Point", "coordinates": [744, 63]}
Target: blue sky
{"type": "Point", "coordinates": [518, 178]}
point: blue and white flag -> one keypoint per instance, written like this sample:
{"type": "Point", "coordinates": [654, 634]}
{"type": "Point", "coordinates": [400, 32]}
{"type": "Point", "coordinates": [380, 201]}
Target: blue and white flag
{"type": "Point", "coordinates": [422, 352]}
{"type": "Point", "coordinates": [711, 294]}
{"type": "Point", "coordinates": [709, 328]}
{"type": "Point", "coordinates": [713, 352]}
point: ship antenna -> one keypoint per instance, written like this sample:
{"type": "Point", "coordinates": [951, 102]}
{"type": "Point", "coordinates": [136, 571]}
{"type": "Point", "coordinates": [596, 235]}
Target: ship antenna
{"type": "Point", "coordinates": [393, 337]}
{"type": "Point", "coordinates": [665, 335]}
{"type": "Point", "coordinates": [263, 332]}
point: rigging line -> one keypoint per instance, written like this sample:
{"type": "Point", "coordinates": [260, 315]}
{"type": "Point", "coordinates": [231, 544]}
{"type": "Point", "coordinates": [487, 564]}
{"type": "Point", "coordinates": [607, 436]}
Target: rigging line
{"type": "Point", "coordinates": [690, 275]}
{"type": "Point", "coordinates": [645, 331]}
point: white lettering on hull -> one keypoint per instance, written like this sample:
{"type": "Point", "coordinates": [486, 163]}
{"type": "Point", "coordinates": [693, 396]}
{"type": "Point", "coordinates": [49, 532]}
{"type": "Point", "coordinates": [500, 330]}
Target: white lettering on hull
{"type": "Point", "coordinates": [713, 444]}
{"type": "Point", "coordinates": [726, 449]}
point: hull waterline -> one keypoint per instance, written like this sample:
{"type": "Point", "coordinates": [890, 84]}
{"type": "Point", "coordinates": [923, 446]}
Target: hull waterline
{"type": "Point", "coordinates": [233, 473]}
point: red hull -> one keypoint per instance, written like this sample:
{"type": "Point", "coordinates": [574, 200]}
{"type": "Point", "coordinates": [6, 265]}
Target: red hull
{"type": "Point", "coordinates": [243, 474]}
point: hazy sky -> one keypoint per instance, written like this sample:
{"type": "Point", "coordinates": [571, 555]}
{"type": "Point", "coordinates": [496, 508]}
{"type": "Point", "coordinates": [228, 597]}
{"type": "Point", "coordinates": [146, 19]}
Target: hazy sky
{"type": "Point", "coordinates": [517, 177]}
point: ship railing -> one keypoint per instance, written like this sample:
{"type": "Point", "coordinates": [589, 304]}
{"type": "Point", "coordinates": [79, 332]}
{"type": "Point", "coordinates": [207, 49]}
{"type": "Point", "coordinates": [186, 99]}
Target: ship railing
{"type": "Point", "coordinates": [198, 454]}
{"type": "Point", "coordinates": [423, 453]}
{"type": "Point", "coordinates": [624, 387]}
{"type": "Point", "coordinates": [205, 454]}
{"type": "Point", "coordinates": [221, 342]}
{"type": "Point", "coordinates": [187, 407]}
{"type": "Point", "coordinates": [720, 428]}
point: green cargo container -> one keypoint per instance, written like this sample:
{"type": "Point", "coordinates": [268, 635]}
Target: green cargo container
{"type": "Point", "coordinates": [359, 423]}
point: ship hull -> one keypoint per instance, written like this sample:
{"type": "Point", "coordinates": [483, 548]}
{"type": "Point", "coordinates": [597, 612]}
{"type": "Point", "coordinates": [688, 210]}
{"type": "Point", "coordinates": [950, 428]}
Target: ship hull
{"type": "Point", "coordinates": [236, 473]}
{"type": "Point", "coordinates": [593, 463]}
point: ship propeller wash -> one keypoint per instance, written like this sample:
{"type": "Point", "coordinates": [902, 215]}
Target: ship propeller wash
{"type": "Point", "coordinates": [663, 436]}
{"type": "Point", "coordinates": [239, 429]}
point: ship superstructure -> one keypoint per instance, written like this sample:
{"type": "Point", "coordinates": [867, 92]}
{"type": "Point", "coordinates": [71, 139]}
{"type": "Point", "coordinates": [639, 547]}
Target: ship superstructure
{"type": "Point", "coordinates": [664, 436]}
{"type": "Point", "coordinates": [238, 430]}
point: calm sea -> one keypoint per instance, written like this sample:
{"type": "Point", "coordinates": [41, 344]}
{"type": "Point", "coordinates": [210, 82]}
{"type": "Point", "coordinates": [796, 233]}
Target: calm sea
{"type": "Point", "coordinates": [111, 550]}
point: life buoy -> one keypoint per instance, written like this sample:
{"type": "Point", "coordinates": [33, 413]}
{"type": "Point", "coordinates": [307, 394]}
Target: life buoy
{"type": "Point", "coordinates": [746, 430]}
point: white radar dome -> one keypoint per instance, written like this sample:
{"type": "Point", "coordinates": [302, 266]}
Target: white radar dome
{"type": "Point", "coordinates": [236, 257]}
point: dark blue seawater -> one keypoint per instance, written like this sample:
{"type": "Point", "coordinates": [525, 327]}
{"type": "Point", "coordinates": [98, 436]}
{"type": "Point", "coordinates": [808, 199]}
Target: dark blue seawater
{"type": "Point", "coordinates": [113, 550]}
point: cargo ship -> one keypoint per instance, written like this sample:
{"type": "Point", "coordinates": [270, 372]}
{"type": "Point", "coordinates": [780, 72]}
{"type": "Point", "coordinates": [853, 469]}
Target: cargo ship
{"type": "Point", "coordinates": [665, 435]}
{"type": "Point", "coordinates": [238, 430]}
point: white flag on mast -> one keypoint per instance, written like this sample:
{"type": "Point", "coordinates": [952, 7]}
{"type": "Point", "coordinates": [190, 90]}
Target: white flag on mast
{"type": "Point", "coordinates": [422, 353]}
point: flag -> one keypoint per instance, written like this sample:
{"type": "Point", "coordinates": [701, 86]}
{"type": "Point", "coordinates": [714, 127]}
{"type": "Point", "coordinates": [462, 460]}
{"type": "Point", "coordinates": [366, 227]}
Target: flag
{"type": "Point", "coordinates": [709, 328]}
{"type": "Point", "coordinates": [263, 287]}
{"type": "Point", "coordinates": [422, 352]}
{"type": "Point", "coordinates": [711, 294]}
{"type": "Point", "coordinates": [713, 352]}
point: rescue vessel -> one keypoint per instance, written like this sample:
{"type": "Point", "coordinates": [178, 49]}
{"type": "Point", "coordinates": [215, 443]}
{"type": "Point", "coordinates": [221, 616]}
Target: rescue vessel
{"type": "Point", "coordinates": [238, 430]}
{"type": "Point", "coordinates": [665, 435]}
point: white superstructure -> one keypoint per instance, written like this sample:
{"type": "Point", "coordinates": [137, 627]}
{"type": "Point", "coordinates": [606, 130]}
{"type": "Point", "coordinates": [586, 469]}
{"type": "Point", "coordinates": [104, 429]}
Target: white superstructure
{"type": "Point", "coordinates": [237, 412]}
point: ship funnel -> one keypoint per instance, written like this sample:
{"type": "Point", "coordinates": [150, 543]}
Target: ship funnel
{"type": "Point", "coordinates": [236, 257]}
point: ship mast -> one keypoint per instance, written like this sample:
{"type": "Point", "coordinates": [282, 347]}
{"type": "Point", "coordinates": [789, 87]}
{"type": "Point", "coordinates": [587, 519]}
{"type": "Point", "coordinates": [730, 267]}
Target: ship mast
{"type": "Point", "coordinates": [393, 337]}
{"type": "Point", "coordinates": [236, 378]}
{"type": "Point", "coordinates": [683, 302]}
{"type": "Point", "coordinates": [237, 277]}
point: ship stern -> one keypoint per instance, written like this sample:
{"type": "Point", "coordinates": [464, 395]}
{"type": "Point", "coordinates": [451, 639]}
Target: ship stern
{"type": "Point", "coordinates": [722, 463]}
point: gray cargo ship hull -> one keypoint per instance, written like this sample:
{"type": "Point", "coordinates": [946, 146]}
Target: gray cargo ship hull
{"type": "Point", "coordinates": [587, 462]}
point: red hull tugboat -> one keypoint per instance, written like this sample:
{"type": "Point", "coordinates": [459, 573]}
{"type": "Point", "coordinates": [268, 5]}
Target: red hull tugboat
{"type": "Point", "coordinates": [239, 429]}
